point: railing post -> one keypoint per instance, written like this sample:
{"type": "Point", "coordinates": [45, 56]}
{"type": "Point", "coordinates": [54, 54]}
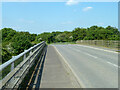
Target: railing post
{"type": "Point", "coordinates": [18, 71]}
{"type": "Point", "coordinates": [30, 52]}
{"type": "Point", "coordinates": [24, 57]}
{"type": "Point", "coordinates": [12, 66]}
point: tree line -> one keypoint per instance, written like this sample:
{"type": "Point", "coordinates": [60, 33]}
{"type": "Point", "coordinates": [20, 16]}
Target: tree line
{"type": "Point", "coordinates": [92, 33]}
{"type": "Point", "coordinates": [14, 42]}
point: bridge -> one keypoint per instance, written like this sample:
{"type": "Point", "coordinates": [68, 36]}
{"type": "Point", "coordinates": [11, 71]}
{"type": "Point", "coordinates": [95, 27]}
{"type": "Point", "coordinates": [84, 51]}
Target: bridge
{"type": "Point", "coordinates": [61, 66]}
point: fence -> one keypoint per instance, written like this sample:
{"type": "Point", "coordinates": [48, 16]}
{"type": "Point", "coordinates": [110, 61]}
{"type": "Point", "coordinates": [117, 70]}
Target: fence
{"type": "Point", "coordinates": [104, 43]}
{"type": "Point", "coordinates": [13, 71]}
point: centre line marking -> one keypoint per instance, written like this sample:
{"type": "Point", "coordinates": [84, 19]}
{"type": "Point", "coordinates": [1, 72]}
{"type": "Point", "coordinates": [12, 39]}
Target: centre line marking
{"type": "Point", "coordinates": [84, 53]}
{"type": "Point", "coordinates": [113, 64]}
{"type": "Point", "coordinates": [91, 55]}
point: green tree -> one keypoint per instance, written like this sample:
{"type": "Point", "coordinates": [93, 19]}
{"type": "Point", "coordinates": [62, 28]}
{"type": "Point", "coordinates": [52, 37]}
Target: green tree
{"type": "Point", "coordinates": [78, 34]}
{"type": "Point", "coordinates": [21, 43]}
{"type": "Point", "coordinates": [6, 55]}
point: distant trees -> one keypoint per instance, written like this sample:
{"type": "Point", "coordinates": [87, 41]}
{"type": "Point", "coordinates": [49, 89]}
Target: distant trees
{"type": "Point", "coordinates": [96, 33]}
{"type": "Point", "coordinates": [92, 33]}
{"type": "Point", "coordinates": [14, 42]}
{"type": "Point", "coordinates": [43, 37]}
{"type": "Point", "coordinates": [79, 33]}
{"type": "Point", "coordinates": [64, 37]}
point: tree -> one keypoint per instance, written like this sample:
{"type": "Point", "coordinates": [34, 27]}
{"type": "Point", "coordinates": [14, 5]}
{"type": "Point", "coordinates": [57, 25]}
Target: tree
{"type": "Point", "coordinates": [78, 34]}
{"type": "Point", "coordinates": [61, 37]}
{"type": "Point", "coordinates": [15, 42]}
{"type": "Point", "coordinates": [7, 34]}
{"type": "Point", "coordinates": [21, 43]}
{"type": "Point", "coordinates": [6, 55]}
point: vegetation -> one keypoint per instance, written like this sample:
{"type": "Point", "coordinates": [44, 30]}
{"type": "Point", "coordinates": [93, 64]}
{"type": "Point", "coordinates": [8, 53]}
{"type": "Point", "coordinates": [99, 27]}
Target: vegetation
{"type": "Point", "coordinates": [92, 33]}
{"type": "Point", "coordinates": [14, 42]}
{"type": "Point", "coordinates": [5, 55]}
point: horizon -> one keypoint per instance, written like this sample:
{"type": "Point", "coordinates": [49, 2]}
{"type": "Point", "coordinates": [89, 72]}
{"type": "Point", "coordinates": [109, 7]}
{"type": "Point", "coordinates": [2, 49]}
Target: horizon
{"type": "Point", "coordinates": [39, 17]}
{"type": "Point", "coordinates": [53, 31]}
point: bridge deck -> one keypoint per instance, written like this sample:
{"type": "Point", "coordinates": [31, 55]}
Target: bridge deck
{"type": "Point", "coordinates": [54, 73]}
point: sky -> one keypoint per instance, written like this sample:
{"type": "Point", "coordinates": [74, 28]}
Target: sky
{"type": "Point", "coordinates": [39, 17]}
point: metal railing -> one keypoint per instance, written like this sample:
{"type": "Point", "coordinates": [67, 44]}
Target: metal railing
{"type": "Point", "coordinates": [14, 70]}
{"type": "Point", "coordinates": [114, 44]}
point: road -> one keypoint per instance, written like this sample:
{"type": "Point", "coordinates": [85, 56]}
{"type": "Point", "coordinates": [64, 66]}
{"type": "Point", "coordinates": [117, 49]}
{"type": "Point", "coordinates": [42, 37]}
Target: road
{"type": "Point", "coordinates": [55, 74]}
{"type": "Point", "coordinates": [93, 67]}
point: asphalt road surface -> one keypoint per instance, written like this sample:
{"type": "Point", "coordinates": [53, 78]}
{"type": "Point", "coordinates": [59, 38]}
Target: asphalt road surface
{"type": "Point", "coordinates": [93, 67]}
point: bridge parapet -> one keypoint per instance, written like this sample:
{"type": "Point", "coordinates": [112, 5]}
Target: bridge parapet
{"type": "Point", "coordinates": [14, 70]}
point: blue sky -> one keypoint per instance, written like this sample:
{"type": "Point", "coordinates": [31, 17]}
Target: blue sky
{"type": "Point", "coordinates": [38, 17]}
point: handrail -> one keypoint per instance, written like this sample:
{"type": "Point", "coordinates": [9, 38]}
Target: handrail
{"type": "Point", "coordinates": [17, 73]}
{"type": "Point", "coordinates": [4, 65]}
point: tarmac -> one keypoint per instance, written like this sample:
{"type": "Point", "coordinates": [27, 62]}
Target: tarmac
{"type": "Point", "coordinates": [55, 73]}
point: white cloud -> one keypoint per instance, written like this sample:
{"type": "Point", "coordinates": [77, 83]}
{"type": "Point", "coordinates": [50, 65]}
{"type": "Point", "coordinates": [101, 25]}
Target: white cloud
{"type": "Point", "coordinates": [87, 8]}
{"type": "Point", "coordinates": [72, 2]}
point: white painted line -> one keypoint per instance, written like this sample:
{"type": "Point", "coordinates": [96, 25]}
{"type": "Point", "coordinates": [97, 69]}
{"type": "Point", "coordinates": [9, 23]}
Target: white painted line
{"type": "Point", "coordinates": [81, 84]}
{"type": "Point", "coordinates": [91, 55]}
{"type": "Point", "coordinates": [85, 53]}
{"type": "Point", "coordinates": [113, 64]}
{"type": "Point", "coordinates": [97, 48]}
{"type": "Point", "coordinates": [75, 49]}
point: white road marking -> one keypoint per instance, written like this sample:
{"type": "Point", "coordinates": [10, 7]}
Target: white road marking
{"type": "Point", "coordinates": [113, 64]}
{"type": "Point", "coordinates": [75, 49]}
{"type": "Point", "coordinates": [90, 55]}
{"type": "Point", "coordinates": [97, 48]}
{"type": "Point", "coordinates": [80, 82]}
{"type": "Point", "coordinates": [94, 56]}
{"type": "Point", "coordinates": [85, 53]}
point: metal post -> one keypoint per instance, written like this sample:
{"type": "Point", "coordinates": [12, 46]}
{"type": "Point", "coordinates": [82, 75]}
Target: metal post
{"type": "Point", "coordinates": [12, 66]}
{"type": "Point", "coordinates": [30, 52]}
{"type": "Point", "coordinates": [24, 57]}
{"type": "Point", "coordinates": [17, 71]}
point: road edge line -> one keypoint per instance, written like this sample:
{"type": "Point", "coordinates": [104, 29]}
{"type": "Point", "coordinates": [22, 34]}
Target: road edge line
{"type": "Point", "coordinates": [97, 48]}
{"type": "Point", "coordinates": [78, 80]}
